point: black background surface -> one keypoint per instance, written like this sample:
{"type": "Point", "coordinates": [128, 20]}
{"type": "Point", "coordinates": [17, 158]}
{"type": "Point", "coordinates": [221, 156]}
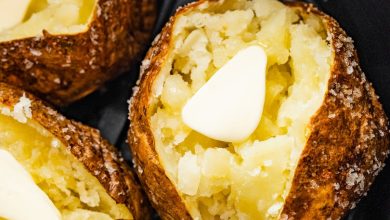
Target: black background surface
{"type": "Point", "coordinates": [366, 21]}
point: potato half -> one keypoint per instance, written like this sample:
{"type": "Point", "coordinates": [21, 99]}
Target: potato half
{"type": "Point", "coordinates": [322, 139]}
{"type": "Point", "coordinates": [64, 50]}
{"type": "Point", "coordinates": [82, 174]}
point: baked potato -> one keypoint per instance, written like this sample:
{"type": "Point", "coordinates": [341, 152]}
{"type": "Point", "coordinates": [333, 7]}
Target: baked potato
{"type": "Point", "coordinates": [322, 137]}
{"type": "Point", "coordinates": [64, 50]}
{"type": "Point", "coordinates": [68, 165]}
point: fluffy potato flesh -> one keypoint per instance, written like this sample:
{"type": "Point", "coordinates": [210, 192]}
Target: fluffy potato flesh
{"type": "Point", "coordinates": [75, 192]}
{"type": "Point", "coordinates": [251, 179]}
{"type": "Point", "coordinates": [56, 17]}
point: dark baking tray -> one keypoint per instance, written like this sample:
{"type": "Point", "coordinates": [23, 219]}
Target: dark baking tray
{"type": "Point", "coordinates": [366, 21]}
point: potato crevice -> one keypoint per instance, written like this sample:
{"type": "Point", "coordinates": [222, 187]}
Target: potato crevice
{"type": "Point", "coordinates": [251, 179]}
{"type": "Point", "coordinates": [75, 192]}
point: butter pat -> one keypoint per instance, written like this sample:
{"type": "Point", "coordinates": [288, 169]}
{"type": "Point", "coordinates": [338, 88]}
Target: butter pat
{"type": "Point", "coordinates": [229, 106]}
{"type": "Point", "coordinates": [20, 197]}
{"type": "Point", "coordinates": [12, 12]}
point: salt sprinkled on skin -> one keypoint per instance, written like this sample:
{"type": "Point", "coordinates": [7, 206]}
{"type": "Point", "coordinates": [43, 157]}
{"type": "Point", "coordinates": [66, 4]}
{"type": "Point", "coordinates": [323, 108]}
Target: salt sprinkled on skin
{"type": "Point", "coordinates": [134, 163]}
{"type": "Point", "coordinates": [135, 90]}
{"type": "Point", "coordinates": [67, 137]}
{"type": "Point", "coordinates": [98, 10]}
{"type": "Point", "coordinates": [348, 91]}
{"type": "Point", "coordinates": [21, 111]}
{"type": "Point", "coordinates": [109, 168]}
{"type": "Point", "coordinates": [140, 170]}
{"type": "Point", "coordinates": [313, 184]}
{"type": "Point", "coordinates": [61, 118]}
{"type": "Point", "coordinates": [93, 51]}
{"type": "Point", "coordinates": [51, 112]}
{"type": "Point", "coordinates": [351, 179]}
{"type": "Point", "coordinates": [96, 146]}
{"type": "Point", "coordinates": [344, 204]}
{"type": "Point", "coordinates": [93, 36]}
{"type": "Point", "coordinates": [113, 184]}
{"type": "Point", "coordinates": [338, 45]}
{"type": "Point", "coordinates": [356, 114]}
{"type": "Point", "coordinates": [284, 217]}
{"type": "Point", "coordinates": [35, 52]}
{"type": "Point", "coordinates": [91, 63]}
{"type": "Point", "coordinates": [357, 93]}
{"type": "Point", "coordinates": [349, 69]}
{"type": "Point", "coordinates": [334, 93]}
{"type": "Point", "coordinates": [68, 59]}
{"type": "Point", "coordinates": [72, 127]}
{"type": "Point", "coordinates": [349, 54]}
{"type": "Point", "coordinates": [28, 64]}
{"type": "Point", "coordinates": [145, 65]}
{"type": "Point", "coordinates": [336, 186]}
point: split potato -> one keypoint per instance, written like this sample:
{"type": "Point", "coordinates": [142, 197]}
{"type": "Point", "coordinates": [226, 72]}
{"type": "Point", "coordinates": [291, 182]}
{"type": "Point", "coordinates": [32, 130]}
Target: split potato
{"type": "Point", "coordinates": [64, 50]}
{"type": "Point", "coordinates": [76, 170]}
{"type": "Point", "coordinates": [322, 138]}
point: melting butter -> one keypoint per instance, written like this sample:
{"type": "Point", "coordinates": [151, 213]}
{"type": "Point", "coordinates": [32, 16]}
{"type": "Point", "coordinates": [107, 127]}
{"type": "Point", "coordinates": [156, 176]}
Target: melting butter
{"type": "Point", "coordinates": [12, 12]}
{"type": "Point", "coordinates": [20, 197]}
{"type": "Point", "coordinates": [229, 106]}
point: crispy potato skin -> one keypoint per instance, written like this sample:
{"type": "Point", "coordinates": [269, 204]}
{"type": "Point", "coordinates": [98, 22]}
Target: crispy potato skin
{"type": "Point", "coordinates": [346, 147]}
{"type": "Point", "coordinates": [86, 144]}
{"type": "Point", "coordinates": [65, 68]}
{"type": "Point", "coordinates": [160, 190]}
{"type": "Point", "coordinates": [349, 139]}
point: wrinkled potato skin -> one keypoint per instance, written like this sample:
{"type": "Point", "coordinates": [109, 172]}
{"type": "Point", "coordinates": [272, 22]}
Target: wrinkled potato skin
{"type": "Point", "coordinates": [70, 67]}
{"type": "Point", "coordinates": [336, 146]}
{"type": "Point", "coordinates": [86, 144]}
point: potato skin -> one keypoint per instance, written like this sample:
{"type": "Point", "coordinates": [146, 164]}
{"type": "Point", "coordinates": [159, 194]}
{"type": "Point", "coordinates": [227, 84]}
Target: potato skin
{"type": "Point", "coordinates": [160, 190]}
{"type": "Point", "coordinates": [65, 68]}
{"type": "Point", "coordinates": [86, 144]}
{"type": "Point", "coordinates": [345, 150]}
{"type": "Point", "coordinates": [349, 139]}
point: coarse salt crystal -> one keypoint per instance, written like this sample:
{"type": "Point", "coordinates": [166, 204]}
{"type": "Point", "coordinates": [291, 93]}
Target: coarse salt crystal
{"type": "Point", "coordinates": [21, 110]}
{"type": "Point", "coordinates": [349, 69]}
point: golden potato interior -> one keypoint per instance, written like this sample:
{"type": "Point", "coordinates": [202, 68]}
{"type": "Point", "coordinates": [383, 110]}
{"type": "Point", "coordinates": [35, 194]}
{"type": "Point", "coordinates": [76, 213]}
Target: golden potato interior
{"type": "Point", "coordinates": [75, 192]}
{"type": "Point", "coordinates": [250, 179]}
{"type": "Point", "coordinates": [56, 17]}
